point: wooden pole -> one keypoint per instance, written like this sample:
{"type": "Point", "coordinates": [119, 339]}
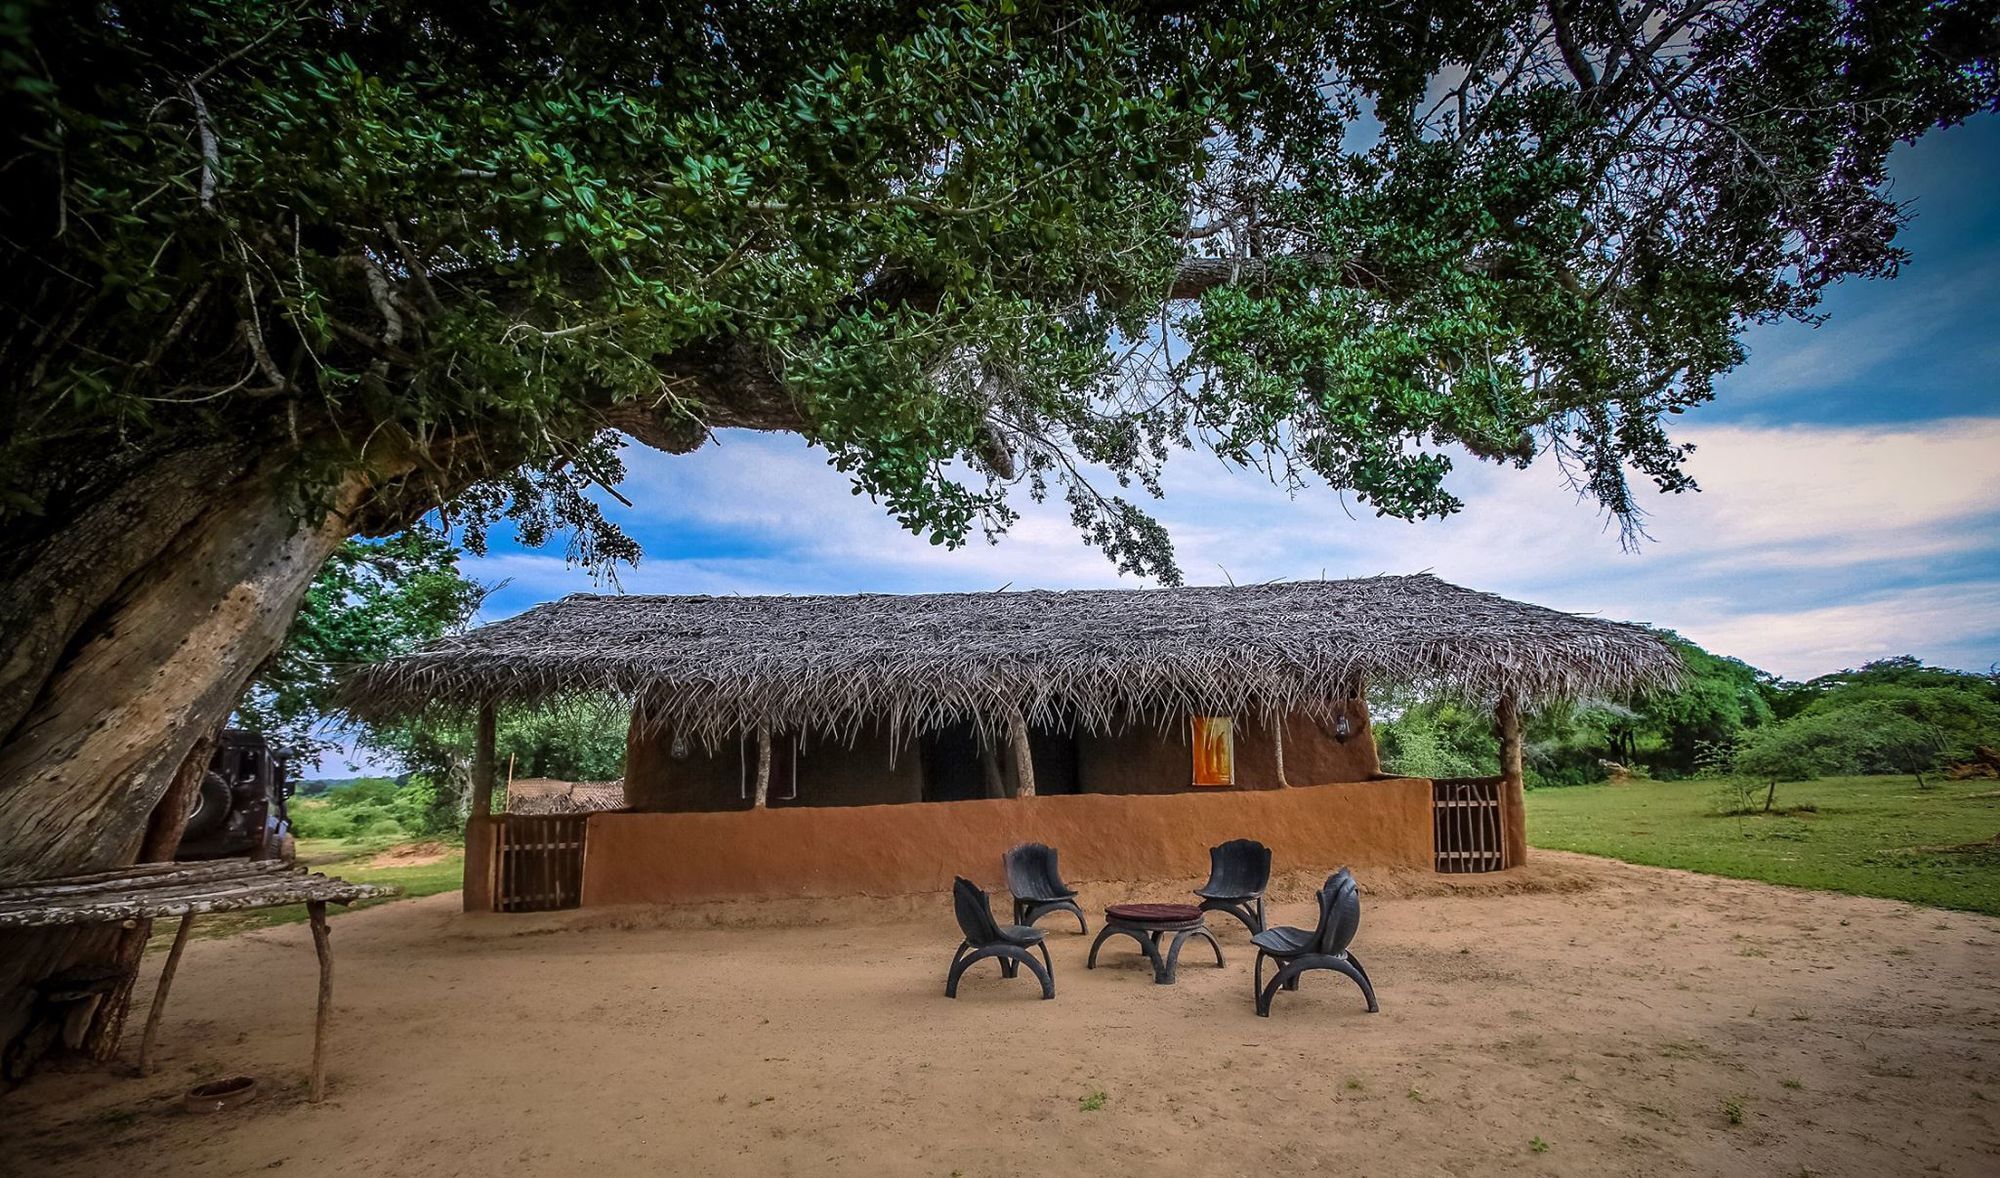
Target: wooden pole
{"type": "Point", "coordinates": [482, 763]}
{"type": "Point", "coordinates": [316, 911]}
{"type": "Point", "coordinates": [1278, 743]}
{"type": "Point", "coordinates": [1024, 757]}
{"type": "Point", "coordinates": [763, 766]}
{"type": "Point", "coordinates": [482, 854]}
{"type": "Point", "coordinates": [160, 996]}
{"type": "Point", "coordinates": [1507, 726]}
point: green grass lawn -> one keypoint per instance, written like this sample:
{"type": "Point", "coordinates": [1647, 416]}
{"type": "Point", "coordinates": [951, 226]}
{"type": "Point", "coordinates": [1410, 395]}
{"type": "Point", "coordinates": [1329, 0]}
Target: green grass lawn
{"type": "Point", "coordinates": [351, 860]}
{"type": "Point", "coordinates": [1870, 836]}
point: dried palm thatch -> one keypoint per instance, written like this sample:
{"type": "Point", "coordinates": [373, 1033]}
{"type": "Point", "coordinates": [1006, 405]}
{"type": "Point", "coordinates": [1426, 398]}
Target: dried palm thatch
{"type": "Point", "coordinates": [582, 797]}
{"type": "Point", "coordinates": [714, 667]}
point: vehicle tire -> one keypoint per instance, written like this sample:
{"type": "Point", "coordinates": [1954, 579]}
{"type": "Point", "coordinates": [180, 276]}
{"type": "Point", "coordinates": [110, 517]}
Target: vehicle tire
{"type": "Point", "coordinates": [286, 850]}
{"type": "Point", "coordinates": [211, 807]}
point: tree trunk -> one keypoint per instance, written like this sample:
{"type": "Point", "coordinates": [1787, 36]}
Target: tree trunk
{"type": "Point", "coordinates": [763, 767]}
{"type": "Point", "coordinates": [1513, 797]}
{"type": "Point", "coordinates": [484, 732]}
{"type": "Point", "coordinates": [1024, 757]}
{"type": "Point", "coordinates": [142, 624]}
{"type": "Point", "coordinates": [163, 838]}
{"type": "Point", "coordinates": [1278, 748]}
{"type": "Point", "coordinates": [1770, 795]}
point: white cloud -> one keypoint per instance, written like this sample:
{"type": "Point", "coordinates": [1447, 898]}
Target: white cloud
{"type": "Point", "coordinates": [1810, 548]}
{"type": "Point", "coordinates": [1950, 624]}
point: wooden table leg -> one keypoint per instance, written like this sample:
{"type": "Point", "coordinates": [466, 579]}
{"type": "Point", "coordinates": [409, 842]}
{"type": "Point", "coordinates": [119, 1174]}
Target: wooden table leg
{"type": "Point", "coordinates": [160, 996]}
{"type": "Point", "coordinates": [316, 910]}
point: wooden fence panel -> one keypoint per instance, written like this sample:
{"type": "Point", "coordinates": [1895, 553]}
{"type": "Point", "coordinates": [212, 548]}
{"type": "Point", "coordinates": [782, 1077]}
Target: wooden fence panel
{"type": "Point", "coordinates": [1468, 831]}
{"type": "Point", "coordinates": [539, 861]}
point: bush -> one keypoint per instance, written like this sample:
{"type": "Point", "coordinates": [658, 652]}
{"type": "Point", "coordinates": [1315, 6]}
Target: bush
{"type": "Point", "coordinates": [366, 808]}
{"type": "Point", "coordinates": [1870, 735]}
{"type": "Point", "coordinates": [1438, 740]}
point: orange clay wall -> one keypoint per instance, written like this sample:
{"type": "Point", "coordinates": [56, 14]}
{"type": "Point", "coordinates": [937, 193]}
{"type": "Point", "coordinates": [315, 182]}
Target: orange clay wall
{"type": "Point", "coordinates": [641, 858]}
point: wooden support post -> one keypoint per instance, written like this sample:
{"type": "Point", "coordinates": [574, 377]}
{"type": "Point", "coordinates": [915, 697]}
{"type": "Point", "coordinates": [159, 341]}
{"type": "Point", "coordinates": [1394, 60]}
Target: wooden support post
{"type": "Point", "coordinates": [763, 767]}
{"type": "Point", "coordinates": [482, 763]}
{"type": "Point", "coordinates": [482, 852]}
{"type": "Point", "coordinates": [1278, 745]}
{"type": "Point", "coordinates": [1024, 757]}
{"type": "Point", "coordinates": [160, 996]}
{"type": "Point", "coordinates": [316, 912]}
{"type": "Point", "coordinates": [1507, 726]}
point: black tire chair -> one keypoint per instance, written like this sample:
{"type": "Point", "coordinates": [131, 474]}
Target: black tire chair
{"type": "Point", "coordinates": [1299, 951]}
{"type": "Point", "coordinates": [1037, 886]}
{"type": "Point", "coordinates": [985, 937]}
{"type": "Point", "coordinates": [1238, 872]}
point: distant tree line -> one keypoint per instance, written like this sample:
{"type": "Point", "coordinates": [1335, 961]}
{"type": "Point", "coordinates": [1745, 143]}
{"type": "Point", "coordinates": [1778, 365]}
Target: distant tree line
{"type": "Point", "coordinates": [1893, 715]}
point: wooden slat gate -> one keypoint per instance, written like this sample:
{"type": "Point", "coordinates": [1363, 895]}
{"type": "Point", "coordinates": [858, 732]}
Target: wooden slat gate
{"type": "Point", "coordinates": [1466, 826]}
{"type": "Point", "coordinates": [538, 861]}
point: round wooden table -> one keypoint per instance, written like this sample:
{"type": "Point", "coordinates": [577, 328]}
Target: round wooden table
{"type": "Point", "coordinates": [1149, 924]}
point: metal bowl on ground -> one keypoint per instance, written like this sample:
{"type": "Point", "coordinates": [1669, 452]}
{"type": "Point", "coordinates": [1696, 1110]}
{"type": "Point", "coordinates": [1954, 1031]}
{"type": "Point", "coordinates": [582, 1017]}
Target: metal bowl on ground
{"type": "Point", "coordinates": [217, 1095]}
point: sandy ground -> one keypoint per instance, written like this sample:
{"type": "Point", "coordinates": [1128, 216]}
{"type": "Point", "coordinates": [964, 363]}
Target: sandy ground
{"type": "Point", "coordinates": [412, 855]}
{"type": "Point", "coordinates": [1625, 1020]}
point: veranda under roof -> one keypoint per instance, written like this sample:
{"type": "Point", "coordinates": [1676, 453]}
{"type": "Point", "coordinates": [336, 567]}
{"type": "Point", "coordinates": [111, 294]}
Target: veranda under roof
{"type": "Point", "coordinates": [715, 667]}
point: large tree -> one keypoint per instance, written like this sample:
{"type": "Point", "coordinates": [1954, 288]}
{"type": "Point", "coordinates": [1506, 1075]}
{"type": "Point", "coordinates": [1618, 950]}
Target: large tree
{"type": "Point", "coordinates": [278, 274]}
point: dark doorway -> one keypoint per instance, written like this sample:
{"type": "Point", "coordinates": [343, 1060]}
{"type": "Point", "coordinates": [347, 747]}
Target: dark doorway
{"type": "Point", "coordinates": [952, 772]}
{"type": "Point", "coordinates": [1055, 761]}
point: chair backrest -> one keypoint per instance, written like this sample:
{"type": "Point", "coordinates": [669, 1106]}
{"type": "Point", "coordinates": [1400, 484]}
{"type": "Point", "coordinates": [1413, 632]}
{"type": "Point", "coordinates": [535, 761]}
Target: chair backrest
{"type": "Point", "coordinates": [1031, 871]}
{"type": "Point", "coordinates": [974, 911]}
{"type": "Point", "coordinates": [1339, 913]}
{"type": "Point", "coordinates": [1240, 867]}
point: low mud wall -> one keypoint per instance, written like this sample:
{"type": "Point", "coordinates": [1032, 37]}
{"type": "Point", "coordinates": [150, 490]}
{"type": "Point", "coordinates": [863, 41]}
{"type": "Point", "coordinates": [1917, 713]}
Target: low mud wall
{"type": "Point", "coordinates": [893, 850]}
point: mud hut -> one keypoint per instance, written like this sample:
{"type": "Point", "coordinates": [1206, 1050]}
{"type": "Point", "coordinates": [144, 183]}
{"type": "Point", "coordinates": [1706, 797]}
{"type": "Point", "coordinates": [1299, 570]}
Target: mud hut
{"type": "Point", "coordinates": [1013, 708]}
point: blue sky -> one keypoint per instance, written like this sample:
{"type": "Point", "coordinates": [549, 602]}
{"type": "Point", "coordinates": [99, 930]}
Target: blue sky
{"type": "Point", "coordinates": [1850, 505]}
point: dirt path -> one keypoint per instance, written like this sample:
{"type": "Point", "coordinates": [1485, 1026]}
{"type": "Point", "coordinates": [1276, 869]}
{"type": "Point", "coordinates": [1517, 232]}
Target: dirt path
{"type": "Point", "coordinates": [1643, 1022]}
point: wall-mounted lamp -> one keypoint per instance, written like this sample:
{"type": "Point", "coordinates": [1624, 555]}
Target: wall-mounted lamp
{"type": "Point", "coordinates": [680, 750]}
{"type": "Point", "coordinates": [1342, 728]}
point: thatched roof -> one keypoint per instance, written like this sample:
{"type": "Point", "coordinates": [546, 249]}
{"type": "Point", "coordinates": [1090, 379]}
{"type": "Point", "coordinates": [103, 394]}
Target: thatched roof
{"type": "Point", "coordinates": [717, 666]}
{"type": "Point", "coordinates": [543, 796]}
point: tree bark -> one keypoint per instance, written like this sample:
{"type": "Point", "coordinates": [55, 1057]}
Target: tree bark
{"type": "Point", "coordinates": [483, 735]}
{"type": "Point", "coordinates": [163, 839]}
{"type": "Point", "coordinates": [1024, 756]}
{"type": "Point", "coordinates": [195, 583]}
{"type": "Point", "coordinates": [1278, 748]}
{"type": "Point", "coordinates": [1507, 726]}
{"type": "Point", "coordinates": [763, 796]}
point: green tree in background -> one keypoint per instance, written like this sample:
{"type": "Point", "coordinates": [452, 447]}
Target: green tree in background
{"type": "Point", "coordinates": [1664, 735]}
{"type": "Point", "coordinates": [371, 601]}
{"type": "Point", "coordinates": [1891, 716]}
{"type": "Point", "coordinates": [1721, 699]}
{"type": "Point", "coordinates": [1434, 738]}
{"type": "Point", "coordinates": [580, 739]}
